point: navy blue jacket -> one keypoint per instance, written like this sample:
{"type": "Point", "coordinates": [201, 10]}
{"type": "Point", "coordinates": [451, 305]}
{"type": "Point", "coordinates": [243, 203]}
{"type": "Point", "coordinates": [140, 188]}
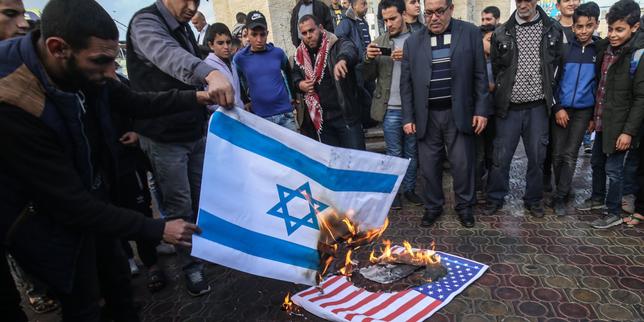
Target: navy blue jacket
{"type": "Point", "coordinates": [470, 88]}
{"type": "Point", "coordinates": [577, 87]}
{"type": "Point", "coordinates": [46, 164]}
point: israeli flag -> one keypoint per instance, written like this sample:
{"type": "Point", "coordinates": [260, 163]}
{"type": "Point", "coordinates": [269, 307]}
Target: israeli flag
{"type": "Point", "coordinates": [262, 186]}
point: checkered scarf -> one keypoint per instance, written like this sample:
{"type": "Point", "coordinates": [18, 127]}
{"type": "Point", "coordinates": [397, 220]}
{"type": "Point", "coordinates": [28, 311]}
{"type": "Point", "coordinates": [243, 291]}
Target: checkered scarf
{"type": "Point", "coordinates": [316, 73]}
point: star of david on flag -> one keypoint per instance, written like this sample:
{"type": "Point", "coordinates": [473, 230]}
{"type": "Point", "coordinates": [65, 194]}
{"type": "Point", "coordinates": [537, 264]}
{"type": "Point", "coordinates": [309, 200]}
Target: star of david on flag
{"type": "Point", "coordinates": [293, 222]}
{"type": "Point", "coordinates": [262, 186]}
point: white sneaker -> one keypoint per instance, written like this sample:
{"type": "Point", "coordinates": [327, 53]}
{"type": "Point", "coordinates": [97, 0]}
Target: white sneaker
{"type": "Point", "coordinates": [628, 203]}
{"type": "Point", "coordinates": [134, 269]}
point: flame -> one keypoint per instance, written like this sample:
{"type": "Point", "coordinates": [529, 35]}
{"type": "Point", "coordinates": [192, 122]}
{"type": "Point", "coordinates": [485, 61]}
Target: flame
{"type": "Point", "coordinates": [288, 305]}
{"type": "Point", "coordinates": [409, 255]}
{"type": "Point", "coordinates": [347, 269]}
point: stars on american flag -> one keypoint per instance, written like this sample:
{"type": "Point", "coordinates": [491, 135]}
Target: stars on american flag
{"type": "Point", "coordinates": [460, 273]}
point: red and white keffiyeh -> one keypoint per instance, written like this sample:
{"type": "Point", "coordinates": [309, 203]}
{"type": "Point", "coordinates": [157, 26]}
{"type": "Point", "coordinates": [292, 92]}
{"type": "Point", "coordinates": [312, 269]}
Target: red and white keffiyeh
{"type": "Point", "coordinates": [316, 73]}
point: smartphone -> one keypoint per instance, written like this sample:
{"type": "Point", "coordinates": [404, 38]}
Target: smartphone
{"type": "Point", "coordinates": [385, 51]}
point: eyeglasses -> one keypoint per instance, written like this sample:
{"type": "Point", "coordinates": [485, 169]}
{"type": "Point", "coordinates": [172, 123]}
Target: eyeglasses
{"type": "Point", "coordinates": [221, 42]}
{"type": "Point", "coordinates": [438, 12]}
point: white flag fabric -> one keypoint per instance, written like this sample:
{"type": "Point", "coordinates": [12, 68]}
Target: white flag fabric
{"type": "Point", "coordinates": [262, 186]}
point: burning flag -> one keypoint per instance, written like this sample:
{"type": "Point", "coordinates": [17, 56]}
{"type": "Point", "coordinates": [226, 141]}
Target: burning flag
{"type": "Point", "coordinates": [263, 187]}
{"type": "Point", "coordinates": [338, 299]}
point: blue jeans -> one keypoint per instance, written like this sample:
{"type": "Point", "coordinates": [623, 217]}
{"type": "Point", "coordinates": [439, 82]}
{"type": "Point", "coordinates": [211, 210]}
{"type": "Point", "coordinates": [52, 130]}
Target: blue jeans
{"type": "Point", "coordinates": [401, 145]}
{"type": "Point", "coordinates": [531, 125]}
{"type": "Point", "coordinates": [631, 185]}
{"type": "Point", "coordinates": [609, 166]}
{"type": "Point", "coordinates": [286, 120]}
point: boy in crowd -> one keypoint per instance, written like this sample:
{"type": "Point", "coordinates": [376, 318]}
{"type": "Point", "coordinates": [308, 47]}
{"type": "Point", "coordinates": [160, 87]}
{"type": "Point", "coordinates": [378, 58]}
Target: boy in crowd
{"type": "Point", "coordinates": [566, 10]}
{"type": "Point", "coordinates": [485, 139]}
{"type": "Point", "coordinates": [619, 108]}
{"type": "Point", "coordinates": [576, 99]}
{"type": "Point", "coordinates": [265, 74]}
{"type": "Point", "coordinates": [220, 42]}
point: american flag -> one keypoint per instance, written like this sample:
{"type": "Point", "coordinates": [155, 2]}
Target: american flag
{"type": "Point", "coordinates": [342, 301]}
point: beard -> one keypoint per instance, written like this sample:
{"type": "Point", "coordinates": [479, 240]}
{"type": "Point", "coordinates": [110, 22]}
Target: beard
{"type": "Point", "coordinates": [77, 78]}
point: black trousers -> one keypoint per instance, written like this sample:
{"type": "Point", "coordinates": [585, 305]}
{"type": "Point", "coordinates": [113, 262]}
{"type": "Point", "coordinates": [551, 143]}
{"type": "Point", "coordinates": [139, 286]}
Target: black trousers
{"type": "Point", "coordinates": [443, 137]}
{"type": "Point", "coordinates": [338, 133]}
{"type": "Point", "coordinates": [101, 272]}
{"type": "Point", "coordinates": [9, 296]}
{"type": "Point", "coordinates": [135, 195]}
{"type": "Point", "coordinates": [639, 196]}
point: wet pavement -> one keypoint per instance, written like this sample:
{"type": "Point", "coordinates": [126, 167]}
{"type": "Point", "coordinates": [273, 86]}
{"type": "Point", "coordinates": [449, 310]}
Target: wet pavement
{"type": "Point", "coordinates": [549, 269]}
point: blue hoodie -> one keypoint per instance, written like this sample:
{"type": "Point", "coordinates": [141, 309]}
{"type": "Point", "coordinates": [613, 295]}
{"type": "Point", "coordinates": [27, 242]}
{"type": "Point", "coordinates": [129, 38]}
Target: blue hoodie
{"type": "Point", "coordinates": [265, 75]}
{"type": "Point", "coordinates": [577, 86]}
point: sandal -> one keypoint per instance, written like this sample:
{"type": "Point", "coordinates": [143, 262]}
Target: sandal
{"type": "Point", "coordinates": [156, 280]}
{"type": "Point", "coordinates": [633, 220]}
{"type": "Point", "coordinates": [42, 304]}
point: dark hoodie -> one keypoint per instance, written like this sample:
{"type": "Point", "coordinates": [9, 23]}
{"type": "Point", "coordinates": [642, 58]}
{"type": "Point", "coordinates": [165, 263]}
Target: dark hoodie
{"type": "Point", "coordinates": [59, 159]}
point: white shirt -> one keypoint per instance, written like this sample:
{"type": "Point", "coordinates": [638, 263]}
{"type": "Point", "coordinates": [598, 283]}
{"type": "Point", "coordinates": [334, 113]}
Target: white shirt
{"type": "Point", "coordinates": [202, 35]}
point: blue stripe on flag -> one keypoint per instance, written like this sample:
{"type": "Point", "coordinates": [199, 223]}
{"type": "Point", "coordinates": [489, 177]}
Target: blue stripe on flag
{"type": "Point", "coordinates": [253, 243]}
{"type": "Point", "coordinates": [334, 179]}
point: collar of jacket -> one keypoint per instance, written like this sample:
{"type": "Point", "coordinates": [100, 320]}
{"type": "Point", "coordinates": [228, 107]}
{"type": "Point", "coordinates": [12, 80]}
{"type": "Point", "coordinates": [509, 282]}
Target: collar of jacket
{"type": "Point", "coordinates": [351, 14]}
{"type": "Point", "coordinates": [30, 80]}
{"type": "Point", "coordinates": [547, 21]}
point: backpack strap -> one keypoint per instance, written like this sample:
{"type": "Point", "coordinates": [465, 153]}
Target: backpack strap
{"type": "Point", "coordinates": [635, 61]}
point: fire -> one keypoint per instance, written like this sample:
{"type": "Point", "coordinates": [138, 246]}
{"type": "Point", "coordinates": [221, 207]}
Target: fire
{"type": "Point", "coordinates": [408, 256]}
{"type": "Point", "coordinates": [288, 305]}
{"type": "Point", "coordinates": [347, 269]}
{"type": "Point", "coordinates": [337, 229]}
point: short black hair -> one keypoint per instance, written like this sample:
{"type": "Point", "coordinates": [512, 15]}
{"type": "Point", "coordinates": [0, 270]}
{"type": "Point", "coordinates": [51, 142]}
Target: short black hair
{"type": "Point", "coordinates": [217, 29]}
{"type": "Point", "coordinates": [495, 11]}
{"type": "Point", "coordinates": [588, 9]}
{"type": "Point", "coordinates": [487, 28]}
{"type": "Point", "coordinates": [240, 17]}
{"type": "Point", "coordinates": [76, 21]}
{"type": "Point", "coordinates": [235, 43]}
{"type": "Point", "coordinates": [306, 18]}
{"type": "Point", "coordinates": [386, 4]}
{"type": "Point", "coordinates": [627, 10]}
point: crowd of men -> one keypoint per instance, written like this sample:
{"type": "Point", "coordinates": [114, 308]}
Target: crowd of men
{"type": "Point", "coordinates": [79, 141]}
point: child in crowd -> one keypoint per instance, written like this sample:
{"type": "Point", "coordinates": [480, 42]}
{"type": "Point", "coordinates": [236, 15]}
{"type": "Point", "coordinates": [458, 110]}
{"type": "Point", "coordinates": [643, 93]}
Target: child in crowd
{"type": "Point", "coordinates": [219, 39]}
{"type": "Point", "coordinates": [619, 108]}
{"type": "Point", "coordinates": [576, 101]}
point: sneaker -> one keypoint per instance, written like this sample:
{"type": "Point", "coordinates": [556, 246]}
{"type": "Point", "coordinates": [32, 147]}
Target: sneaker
{"type": "Point", "coordinates": [397, 204]}
{"type": "Point", "coordinates": [535, 210]}
{"type": "Point", "coordinates": [590, 204]}
{"type": "Point", "coordinates": [628, 204]}
{"type": "Point", "coordinates": [134, 269]}
{"type": "Point", "coordinates": [559, 207]}
{"type": "Point", "coordinates": [195, 282]}
{"type": "Point", "coordinates": [413, 198]}
{"type": "Point", "coordinates": [606, 221]}
{"type": "Point", "coordinates": [166, 249]}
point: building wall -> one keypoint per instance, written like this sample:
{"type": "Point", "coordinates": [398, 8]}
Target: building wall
{"type": "Point", "coordinates": [278, 14]}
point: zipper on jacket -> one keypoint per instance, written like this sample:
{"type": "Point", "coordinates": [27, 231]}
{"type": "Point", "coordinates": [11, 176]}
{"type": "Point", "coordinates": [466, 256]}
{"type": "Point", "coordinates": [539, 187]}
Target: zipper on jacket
{"type": "Point", "coordinates": [81, 100]}
{"type": "Point", "coordinates": [574, 93]}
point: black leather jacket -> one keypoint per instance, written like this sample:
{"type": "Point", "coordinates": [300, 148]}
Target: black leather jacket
{"type": "Point", "coordinates": [505, 53]}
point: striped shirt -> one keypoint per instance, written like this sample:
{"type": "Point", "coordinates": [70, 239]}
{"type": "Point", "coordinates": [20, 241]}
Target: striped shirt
{"type": "Point", "coordinates": [363, 27]}
{"type": "Point", "coordinates": [440, 88]}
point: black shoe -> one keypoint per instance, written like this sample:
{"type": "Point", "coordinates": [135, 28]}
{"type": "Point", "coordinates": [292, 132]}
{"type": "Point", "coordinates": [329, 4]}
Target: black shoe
{"type": "Point", "coordinates": [397, 204]}
{"type": "Point", "coordinates": [467, 219]}
{"type": "Point", "coordinates": [195, 282]}
{"type": "Point", "coordinates": [491, 208]}
{"type": "Point", "coordinates": [413, 198]}
{"type": "Point", "coordinates": [535, 210]}
{"type": "Point", "coordinates": [429, 219]}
